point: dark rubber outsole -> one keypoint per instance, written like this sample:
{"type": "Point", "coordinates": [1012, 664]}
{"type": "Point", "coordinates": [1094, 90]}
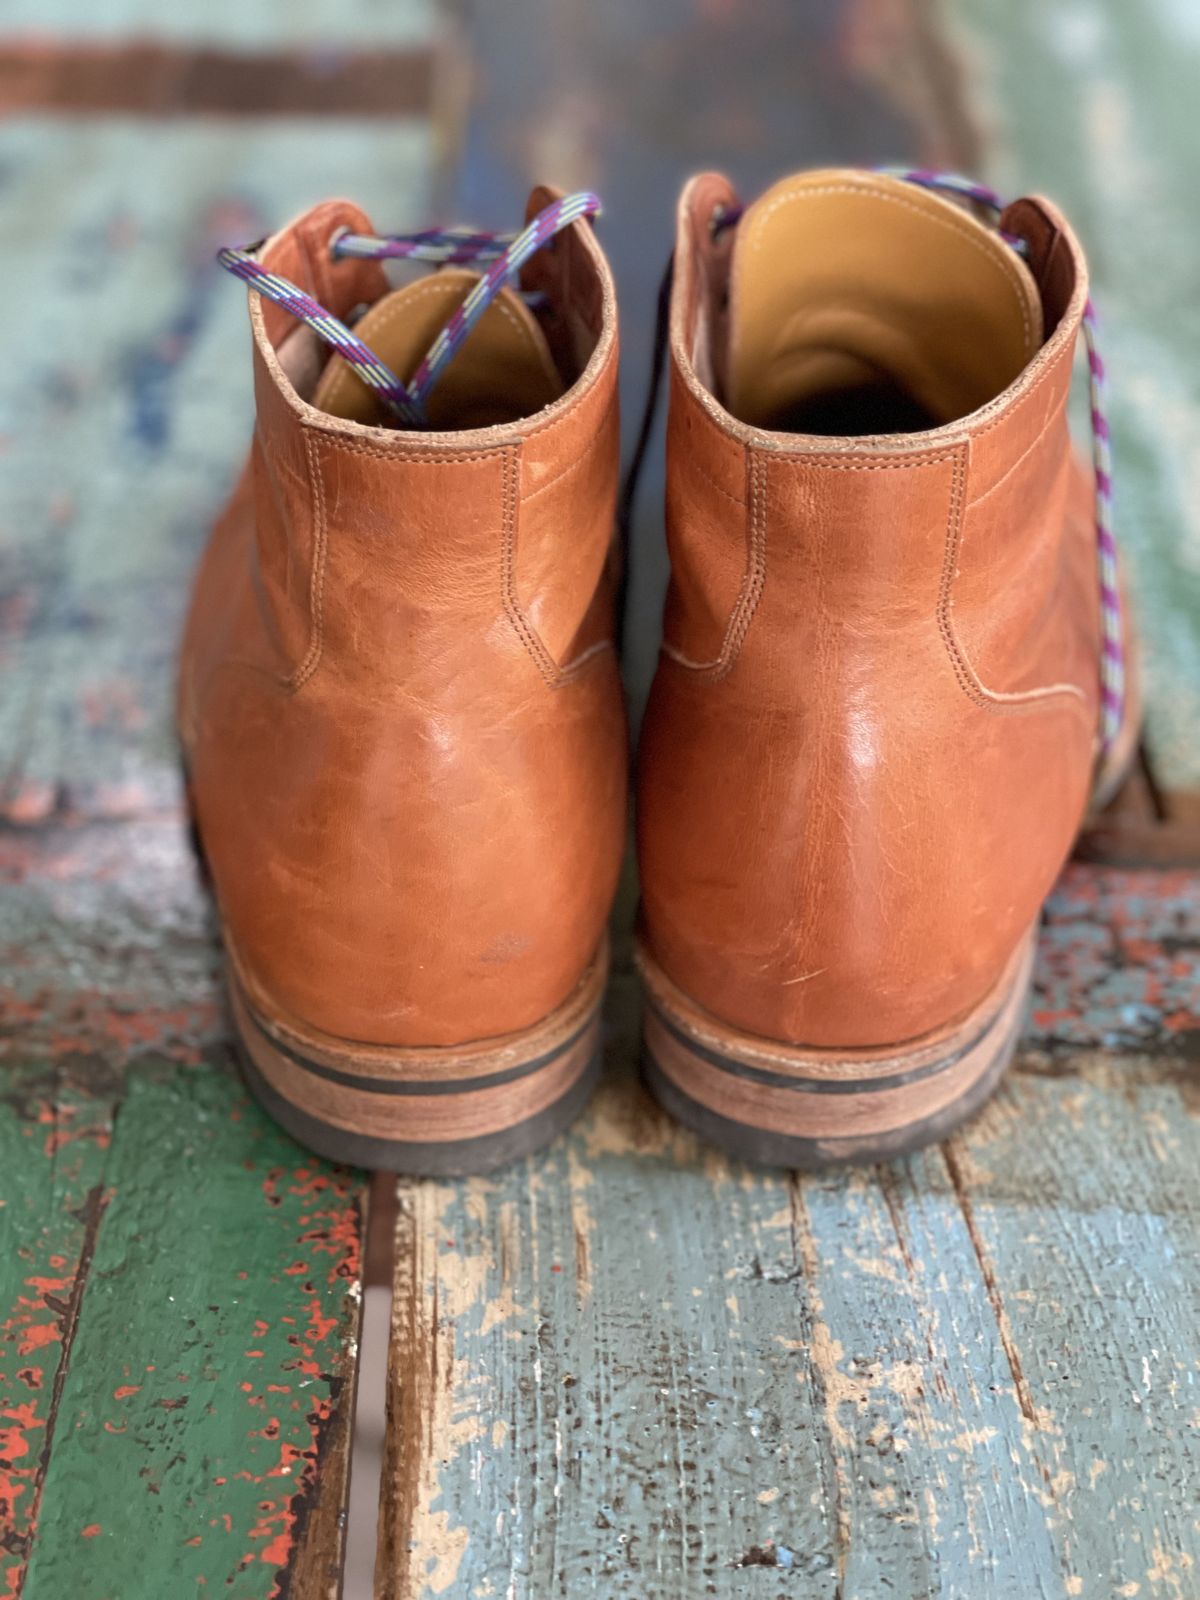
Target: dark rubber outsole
{"type": "Point", "coordinates": [762, 1148]}
{"type": "Point", "coordinates": [450, 1158]}
{"type": "Point", "coordinates": [765, 1147]}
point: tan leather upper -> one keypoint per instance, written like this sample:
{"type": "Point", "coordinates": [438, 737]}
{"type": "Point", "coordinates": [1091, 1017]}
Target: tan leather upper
{"type": "Point", "coordinates": [398, 695]}
{"type": "Point", "coordinates": [871, 736]}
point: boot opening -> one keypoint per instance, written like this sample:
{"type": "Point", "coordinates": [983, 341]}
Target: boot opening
{"type": "Point", "coordinates": [865, 408]}
{"type": "Point", "coordinates": [860, 305]}
{"type": "Point", "coordinates": [504, 371]}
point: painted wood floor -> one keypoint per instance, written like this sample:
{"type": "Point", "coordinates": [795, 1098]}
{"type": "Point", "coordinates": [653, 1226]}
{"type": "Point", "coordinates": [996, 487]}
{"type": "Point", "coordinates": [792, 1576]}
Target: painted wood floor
{"type": "Point", "coordinates": [625, 1367]}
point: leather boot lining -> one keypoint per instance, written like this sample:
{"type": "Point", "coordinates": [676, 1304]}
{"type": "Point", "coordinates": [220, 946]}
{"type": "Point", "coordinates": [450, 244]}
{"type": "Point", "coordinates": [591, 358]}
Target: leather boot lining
{"type": "Point", "coordinates": [504, 370]}
{"type": "Point", "coordinates": [862, 305]}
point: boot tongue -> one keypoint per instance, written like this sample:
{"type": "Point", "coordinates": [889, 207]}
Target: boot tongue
{"type": "Point", "coordinates": [862, 304]}
{"type": "Point", "coordinates": [503, 371]}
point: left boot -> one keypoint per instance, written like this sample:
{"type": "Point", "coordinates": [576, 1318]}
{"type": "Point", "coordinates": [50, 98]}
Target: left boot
{"type": "Point", "coordinates": [893, 670]}
{"type": "Point", "coordinates": [398, 697]}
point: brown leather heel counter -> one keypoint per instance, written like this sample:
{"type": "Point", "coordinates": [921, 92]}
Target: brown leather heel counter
{"type": "Point", "coordinates": [845, 831]}
{"type": "Point", "coordinates": [415, 838]}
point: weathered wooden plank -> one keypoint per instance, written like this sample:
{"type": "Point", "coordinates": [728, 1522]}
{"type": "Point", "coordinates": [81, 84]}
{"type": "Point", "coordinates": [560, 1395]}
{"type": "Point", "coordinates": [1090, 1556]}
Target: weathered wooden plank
{"type": "Point", "coordinates": [159, 80]}
{"type": "Point", "coordinates": [1119, 967]}
{"type": "Point", "coordinates": [135, 1168]}
{"type": "Point", "coordinates": [213, 1351]}
{"type": "Point", "coordinates": [54, 1132]}
{"type": "Point", "coordinates": [627, 1367]}
{"type": "Point", "coordinates": [127, 407]}
{"type": "Point", "coordinates": [155, 1229]}
{"type": "Point", "coordinates": [357, 22]}
{"type": "Point", "coordinates": [573, 1401]}
{"type": "Point", "coordinates": [1081, 1201]}
{"type": "Point", "coordinates": [1094, 105]}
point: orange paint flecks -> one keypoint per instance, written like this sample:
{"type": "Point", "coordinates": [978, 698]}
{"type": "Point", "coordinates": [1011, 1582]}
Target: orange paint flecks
{"type": "Point", "coordinates": [49, 1285]}
{"type": "Point", "coordinates": [92, 1530]}
{"type": "Point", "coordinates": [125, 1390]}
{"type": "Point", "coordinates": [24, 1415]}
{"type": "Point", "coordinates": [319, 1326]}
{"type": "Point", "coordinates": [36, 1338]}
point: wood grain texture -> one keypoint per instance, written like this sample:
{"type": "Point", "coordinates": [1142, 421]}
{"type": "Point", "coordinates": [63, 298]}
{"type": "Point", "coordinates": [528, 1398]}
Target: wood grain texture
{"type": "Point", "coordinates": [179, 1284]}
{"type": "Point", "coordinates": [160, 80]}
{"type": "Point", "coordinates": [52, 1148]}
{"type": "Point", "coordinates": [212, 1346]}
{"type": "Point", "coordinates": [629, 1368]}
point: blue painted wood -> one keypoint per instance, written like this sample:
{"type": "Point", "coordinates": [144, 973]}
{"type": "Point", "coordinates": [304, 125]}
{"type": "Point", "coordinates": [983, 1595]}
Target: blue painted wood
{"type": "Point", "coordinates": [126, 407]}
{"type": "Point", "coordinates": [630, 1368]}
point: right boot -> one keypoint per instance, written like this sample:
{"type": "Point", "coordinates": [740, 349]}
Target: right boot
{"type": "Point", "coordinates": [892, 662]}
{"type": "Point", "coordinates": [399, 701]}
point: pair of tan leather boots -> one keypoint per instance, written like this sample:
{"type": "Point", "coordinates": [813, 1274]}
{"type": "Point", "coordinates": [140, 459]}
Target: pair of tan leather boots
{"type": "Point", "coordinates": [875, 727]}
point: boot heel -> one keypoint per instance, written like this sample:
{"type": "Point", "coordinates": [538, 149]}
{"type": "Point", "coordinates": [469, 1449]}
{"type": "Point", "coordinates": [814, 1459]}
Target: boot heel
{"type": "Point", "coordinates": [429, 1112]}
{"type": "Point", "coordinates": [785, 1105]}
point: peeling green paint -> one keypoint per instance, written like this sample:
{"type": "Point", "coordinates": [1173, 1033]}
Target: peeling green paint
{"type": "Point", "coordinates": [200, 1281]}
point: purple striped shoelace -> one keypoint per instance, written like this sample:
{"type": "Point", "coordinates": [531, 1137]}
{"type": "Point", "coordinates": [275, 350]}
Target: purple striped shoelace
{"type": "Point", "coordinates": [1112, 658]}
{"type": "Point", "coordinates": [505, 255]}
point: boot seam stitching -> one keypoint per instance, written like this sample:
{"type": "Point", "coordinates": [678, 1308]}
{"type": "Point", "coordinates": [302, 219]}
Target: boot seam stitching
{"type": "Point", "coordinates": [1038, 439]}
{"type": "Point", "coordinates": [750, 590]}
{"type": "Point", "coordinates": [415, 458]}
{"type": "Point", "coordinates": [997, 701]}
{"type": "Point", "coordinates": [754, 574]}
{"type": "Point", "coordinates": [296, 680]}
{"type": "Point", "coordinates": [712, 483]}
{"type": "Point", "coordinates": [592, 444]}
{"type": "Point", "coordinates": [554, 675]}
{"type": "Point", "coordinates": [508, 574]}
